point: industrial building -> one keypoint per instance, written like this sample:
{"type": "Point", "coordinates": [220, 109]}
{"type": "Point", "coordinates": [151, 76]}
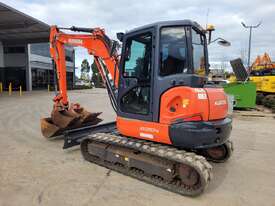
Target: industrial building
{"type": "Point", "coordinates": [24, 52]}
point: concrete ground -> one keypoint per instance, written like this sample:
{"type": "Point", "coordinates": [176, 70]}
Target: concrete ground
{"type": "Point", "coordinates": [35, 171]}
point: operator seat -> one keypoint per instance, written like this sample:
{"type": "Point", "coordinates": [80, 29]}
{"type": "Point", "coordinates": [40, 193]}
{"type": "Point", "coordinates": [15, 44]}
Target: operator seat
{"type": "Point", "coordinates": [175, 62]}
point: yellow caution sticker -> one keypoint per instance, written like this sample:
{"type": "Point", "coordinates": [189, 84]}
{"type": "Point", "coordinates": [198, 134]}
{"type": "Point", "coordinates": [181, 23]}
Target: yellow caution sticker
{"type": "Point", "coordinates": [185, 103]}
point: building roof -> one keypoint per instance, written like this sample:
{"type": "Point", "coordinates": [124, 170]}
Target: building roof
{"type": "Point", "coordinates": [17, 27]}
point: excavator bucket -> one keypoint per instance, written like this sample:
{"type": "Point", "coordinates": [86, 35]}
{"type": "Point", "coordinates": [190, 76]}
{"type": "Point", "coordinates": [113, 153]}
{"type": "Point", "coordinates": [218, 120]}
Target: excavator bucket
{"type": "Point", "coordinates": [64, 119]}
{"type": "Point", "coordinates": [86, 116]}
{"type": "Point", "coordinates": [48, 129]}
{"type": "Point", "coordinates": [72, 118]}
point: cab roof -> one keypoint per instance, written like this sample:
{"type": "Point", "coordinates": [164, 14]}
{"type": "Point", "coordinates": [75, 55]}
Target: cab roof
{"type": "Point", "coordinates": [159, 24]}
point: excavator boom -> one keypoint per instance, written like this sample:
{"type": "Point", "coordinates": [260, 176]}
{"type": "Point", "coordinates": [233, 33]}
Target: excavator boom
{"type": "Point", "coordinates": [67, 116]}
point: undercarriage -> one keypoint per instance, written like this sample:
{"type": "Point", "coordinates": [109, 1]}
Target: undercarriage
{"type": "Point", "coordinates": [177, 170]}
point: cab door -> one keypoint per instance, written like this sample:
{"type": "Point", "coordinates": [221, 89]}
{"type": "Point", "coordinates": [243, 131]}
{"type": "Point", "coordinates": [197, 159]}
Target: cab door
{"type": "Point", "coordinates": [136, 76]}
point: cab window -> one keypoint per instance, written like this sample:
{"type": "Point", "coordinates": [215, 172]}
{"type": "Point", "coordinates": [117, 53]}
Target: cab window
{"type": "Point", "coordinates": [138, 61]}
{"type": "Point", "coordinates": [173, 51]}
{"type": "Point", "coordinates": [198, 53]}
{"type": "Point", "coordinates": [138, 57]}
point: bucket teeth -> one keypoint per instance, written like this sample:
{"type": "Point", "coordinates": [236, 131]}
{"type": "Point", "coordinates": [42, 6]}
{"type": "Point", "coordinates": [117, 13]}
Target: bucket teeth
{"type": "Point", "coordinates": [72, 118]}
{"type": "Point", "coordinates": [88, 116]}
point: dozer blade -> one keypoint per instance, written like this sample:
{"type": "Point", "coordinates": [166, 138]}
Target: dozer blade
{"type": "Point", "coordinates": [73, 118]}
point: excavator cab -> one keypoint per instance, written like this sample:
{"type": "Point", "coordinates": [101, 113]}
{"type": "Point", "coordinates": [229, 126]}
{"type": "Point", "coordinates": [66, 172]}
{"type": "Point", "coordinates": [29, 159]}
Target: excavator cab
{"type": "Point", "coordinates": [156, 58]}
{"type": "Point", "coordinates": [162, 90]}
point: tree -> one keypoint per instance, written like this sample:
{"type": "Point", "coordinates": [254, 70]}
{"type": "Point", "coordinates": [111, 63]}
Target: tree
{"type": "Point", "coordinates": [85, 70]}
{"type": "Point", "coordinates": [96, 77]}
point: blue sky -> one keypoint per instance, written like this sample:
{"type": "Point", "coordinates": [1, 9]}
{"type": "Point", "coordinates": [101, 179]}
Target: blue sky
{"type": "Point", "coordinates": [123, 15]}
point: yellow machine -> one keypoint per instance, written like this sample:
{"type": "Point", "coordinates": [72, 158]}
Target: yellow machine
{"type": "Point", "coordinates": [263, 74]}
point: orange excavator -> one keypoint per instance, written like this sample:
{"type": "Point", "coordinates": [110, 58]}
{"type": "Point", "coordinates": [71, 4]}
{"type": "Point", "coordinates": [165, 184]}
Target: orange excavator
{"type": "Point", "coordinates": [169, 122]}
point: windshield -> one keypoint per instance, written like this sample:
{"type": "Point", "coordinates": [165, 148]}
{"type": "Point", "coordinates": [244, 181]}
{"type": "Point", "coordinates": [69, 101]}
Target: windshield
{"type": "Point", "coordinates": [173, 51]}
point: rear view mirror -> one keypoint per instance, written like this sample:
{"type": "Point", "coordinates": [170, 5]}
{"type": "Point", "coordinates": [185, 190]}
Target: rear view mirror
{"type": "Point", "coordinates": [210, 28]}
{"type": "Point", "coordinates": [224, 42]}
{"type": "Point", "coordinates": [221, 42]}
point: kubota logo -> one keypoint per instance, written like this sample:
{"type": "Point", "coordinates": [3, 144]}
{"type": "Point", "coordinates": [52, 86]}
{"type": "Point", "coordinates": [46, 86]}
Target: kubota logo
{"type": "Point", "coordinates": [149, 129]}
{"type": "Point", "coordinates": [220, 102]}
{"type": "Point", "coordinates": [75, 41]}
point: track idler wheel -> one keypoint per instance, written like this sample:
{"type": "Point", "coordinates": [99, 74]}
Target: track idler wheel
{"type": "Point", "coordinates": [188, 175]}
{"type": "Point", "coordinates": [220, 153]}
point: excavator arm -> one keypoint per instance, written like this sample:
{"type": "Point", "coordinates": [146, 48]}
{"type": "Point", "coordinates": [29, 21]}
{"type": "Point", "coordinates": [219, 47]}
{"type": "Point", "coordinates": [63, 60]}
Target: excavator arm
{"type": "Point", "coordinates": [96, 42]}
{"type": "Point", "coordinates": [69, 116]}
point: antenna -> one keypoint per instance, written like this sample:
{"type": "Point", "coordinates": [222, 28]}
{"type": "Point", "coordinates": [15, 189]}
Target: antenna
{"type": "Point", "coordinates": [207, 15]}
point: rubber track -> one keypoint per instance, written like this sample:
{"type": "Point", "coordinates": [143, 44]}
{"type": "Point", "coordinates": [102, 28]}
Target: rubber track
{"type": "Point", "coordinates": [199, 163]}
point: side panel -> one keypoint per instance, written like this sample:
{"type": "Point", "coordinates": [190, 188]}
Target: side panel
{"type": "Point", "coordinates": [264, 83]}
{"type": "Point", "coordinates": [181, 103]}
{"type": "Point", "coordinates": [143, 130]}
{"type": "Point", "coordinates": [218, 105]}
{"type": "Point", "coordinates": [268, 84]}
{"type": "Point", "coordinates": [258, 80]}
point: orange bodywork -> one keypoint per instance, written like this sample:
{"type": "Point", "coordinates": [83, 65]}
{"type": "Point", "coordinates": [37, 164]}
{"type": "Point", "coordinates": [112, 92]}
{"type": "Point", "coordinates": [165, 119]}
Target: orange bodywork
{"type": "Point", "coordinates": [218, 103]}
{"type": "Point", "coordinates": [153, 131]}
{"type": "Point", "coordinates": [181, 103]}
{"type": "Point", "coordinates": [178, 104]}
{"type": "Point", "coordinates": [193, 104]}
{"type": "Point", "coordinates": [96, 46]}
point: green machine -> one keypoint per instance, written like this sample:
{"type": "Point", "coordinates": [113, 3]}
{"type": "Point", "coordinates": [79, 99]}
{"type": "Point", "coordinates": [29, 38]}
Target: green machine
{"type": "Point", "coordinates": [243, 90]}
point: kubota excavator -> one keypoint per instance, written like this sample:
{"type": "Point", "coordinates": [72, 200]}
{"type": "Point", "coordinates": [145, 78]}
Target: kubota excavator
{"type": "Point", "coordinates": [169, 120]}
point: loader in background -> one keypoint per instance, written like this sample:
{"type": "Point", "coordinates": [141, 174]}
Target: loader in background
{"type": "Point", "coordinates": [263, 74]}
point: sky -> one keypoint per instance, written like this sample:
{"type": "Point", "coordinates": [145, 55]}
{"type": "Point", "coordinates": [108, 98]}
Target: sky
{"type": "Point", "coordinates": [123, 15]}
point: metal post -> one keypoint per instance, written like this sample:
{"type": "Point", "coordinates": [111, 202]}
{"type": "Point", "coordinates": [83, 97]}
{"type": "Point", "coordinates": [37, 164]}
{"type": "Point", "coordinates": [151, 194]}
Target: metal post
{"type": "Point", "coordinates": [20, 91]}
{"type": "Point", "coordinates": [250, 34]}
{"type": "Point", "coordinates": [10, 89]}
{"type": "Point", "coordinates": [249, 47]}
{"type": "Point", "coordinates": [28, 67]}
